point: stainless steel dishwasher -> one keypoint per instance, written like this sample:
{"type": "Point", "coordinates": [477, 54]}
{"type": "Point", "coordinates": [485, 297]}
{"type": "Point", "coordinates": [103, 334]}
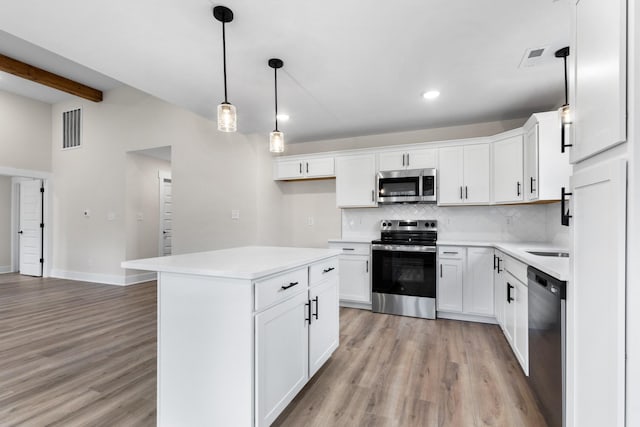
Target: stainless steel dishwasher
{"type": "Point", "coordinates": [547, 320]}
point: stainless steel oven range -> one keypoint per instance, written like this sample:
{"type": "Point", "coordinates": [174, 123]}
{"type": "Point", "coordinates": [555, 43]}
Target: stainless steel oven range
{"type": "Point", "coordinates": [404, 268]}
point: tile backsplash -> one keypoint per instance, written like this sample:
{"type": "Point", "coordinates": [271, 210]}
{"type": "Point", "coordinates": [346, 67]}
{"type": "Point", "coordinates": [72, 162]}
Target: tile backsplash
{"type": "Point", "coordinates": [494, 223]}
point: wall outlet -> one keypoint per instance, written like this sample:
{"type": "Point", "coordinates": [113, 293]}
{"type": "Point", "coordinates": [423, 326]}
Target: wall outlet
{"type": "Point", "coordinates": [86, 213]}
{"type": "Point", "coordinates": [310, 221]}
{"type": "Point", "coordinates": [235, 214]}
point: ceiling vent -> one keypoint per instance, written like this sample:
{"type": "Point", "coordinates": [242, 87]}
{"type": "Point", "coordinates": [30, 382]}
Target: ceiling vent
{"type": "Point", "coordinates": [71, 128]}
{"type": "Point", "coordinates": [535, 56]}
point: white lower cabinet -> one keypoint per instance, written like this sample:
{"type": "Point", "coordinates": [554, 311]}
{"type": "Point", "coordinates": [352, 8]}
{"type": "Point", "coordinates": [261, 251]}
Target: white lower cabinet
{"type": "Point", "coordinates": [478, 289]}
{"type": "Point", "coordinates": [355, 273]}
{"type": "Point", "coordinates": [465, 282]}
{"type": "Point", "coordinates": [515, 307]}
{"type": "Point", "coordinates": [449, 293]}
{"type": "Point", "coordinates": [294, 338]}
{"type": "Point", "coordinates": [282, 358]}
{"type": "Point", "coordinates": [324, 331]}
{"type": "Point", "coordinates": [499, 287]}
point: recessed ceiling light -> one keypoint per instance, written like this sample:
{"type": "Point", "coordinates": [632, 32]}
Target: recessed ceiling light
{"type": "Point", "coordinates": [283, 117]}
{"type": "Point", "coordinates": [432, 94]}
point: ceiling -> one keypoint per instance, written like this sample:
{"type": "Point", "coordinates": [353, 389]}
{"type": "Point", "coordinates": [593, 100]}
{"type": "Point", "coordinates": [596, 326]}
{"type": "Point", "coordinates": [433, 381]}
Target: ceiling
{"type": "Point", "coordinates": [350, 67]}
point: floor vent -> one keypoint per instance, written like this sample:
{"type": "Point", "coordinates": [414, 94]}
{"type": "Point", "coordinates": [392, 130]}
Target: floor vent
{"type": "Point", "coordinates": [71, 128]}
{"type": "Point", "coordinates": [535, 56]}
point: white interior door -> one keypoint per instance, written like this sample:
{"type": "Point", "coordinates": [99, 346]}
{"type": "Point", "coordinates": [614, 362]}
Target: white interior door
{"type": "Point", "coordinates": [166, 230]}
{"type": "Point", "coordinates": [30, 228]}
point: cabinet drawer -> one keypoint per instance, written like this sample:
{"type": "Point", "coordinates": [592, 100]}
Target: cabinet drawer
{"type": "Point", "coordinates": [517, 268]}
{"type": "Point", "coordinates": [352, 248]}
{"type": "Point", "coordinates": [280, 287]}
{"type": "Point", "coordinates": [455, 252]}
{"type": "Point", "coordinates": [323, 270]}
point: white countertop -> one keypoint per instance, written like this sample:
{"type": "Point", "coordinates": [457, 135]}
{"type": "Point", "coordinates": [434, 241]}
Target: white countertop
{"type": "Point", "coordinates": [353, 240]}
{"type": "Point", "coordinates": [249, 262]}
{"type": "Point", "coordinates": [556, 267]}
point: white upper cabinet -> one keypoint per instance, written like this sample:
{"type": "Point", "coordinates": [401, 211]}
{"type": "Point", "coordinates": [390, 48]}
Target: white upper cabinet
{"type": "Point", "coordinates": [598, 95]}
{"type": "Point", "coordinates": [508, 170]}
{"type": "Point", "coordinates": [464, 174]}
{"type": "Point", "coordinates": [546, 169]}
{"type": "Point", "coordinates": [356, 181]}
{"type": "Point", "coordinates": [301, 168]}
{"type": "Point", "coordinates": [408, 159]}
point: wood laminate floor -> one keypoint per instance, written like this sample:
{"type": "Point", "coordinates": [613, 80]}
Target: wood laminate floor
{"type": "Point", "coordinates": [80, 354]}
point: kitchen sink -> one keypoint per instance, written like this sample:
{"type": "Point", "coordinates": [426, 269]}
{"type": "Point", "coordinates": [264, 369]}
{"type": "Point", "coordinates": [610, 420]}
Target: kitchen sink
{"type": "Point", "coordinates": [551, 254]}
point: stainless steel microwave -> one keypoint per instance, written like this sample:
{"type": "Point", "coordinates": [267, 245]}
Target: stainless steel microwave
{"type": "Point", "coordinates": [407, 186]}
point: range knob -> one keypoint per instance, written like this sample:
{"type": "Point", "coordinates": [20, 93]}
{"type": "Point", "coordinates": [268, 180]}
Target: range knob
{"type": "Point", "coordinates": [433, 224]}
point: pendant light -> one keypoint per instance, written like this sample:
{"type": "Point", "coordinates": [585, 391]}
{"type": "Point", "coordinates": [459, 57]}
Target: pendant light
{"type": "Point", "coordinates": [276, 138]}
{"type": "Point", "coordinates": [565, 112]}
{"type": "Point", "coordinates": [227, 119]}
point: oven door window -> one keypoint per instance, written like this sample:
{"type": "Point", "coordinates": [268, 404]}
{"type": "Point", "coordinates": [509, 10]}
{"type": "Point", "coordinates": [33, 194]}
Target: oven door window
{"type": "Point", "coordinates": [397, 187]}
{"type": "Point", "coordinates": [404, 273]}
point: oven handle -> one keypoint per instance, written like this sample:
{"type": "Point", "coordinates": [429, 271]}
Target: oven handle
{"type": "Point", "coordinates": [403, 248]}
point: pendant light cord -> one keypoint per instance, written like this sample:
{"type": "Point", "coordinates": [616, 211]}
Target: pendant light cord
{"type": "Point", "coordinates": [224, 62]}
{"type": "Point", "coordinates": [566, 83]}
{"type": "Point", "coordinates": [275, 79]}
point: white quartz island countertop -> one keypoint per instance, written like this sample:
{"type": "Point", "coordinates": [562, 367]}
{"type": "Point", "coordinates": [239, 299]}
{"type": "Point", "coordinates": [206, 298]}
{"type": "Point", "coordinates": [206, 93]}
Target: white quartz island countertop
{"type": "Point", "coordinates": [249, 262]}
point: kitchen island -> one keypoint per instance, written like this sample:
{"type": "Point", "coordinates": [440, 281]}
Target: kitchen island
{"type": "Point", "coordinates": [241, 331]}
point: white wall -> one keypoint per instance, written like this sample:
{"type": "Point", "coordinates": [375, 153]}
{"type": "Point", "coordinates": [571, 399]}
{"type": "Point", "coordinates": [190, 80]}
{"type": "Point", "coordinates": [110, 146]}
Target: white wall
{"type": "Point", "coordinates": [142, 209]}
{"type": "Point", "coordinates": [212, 173]}
{"type": "Point", "coordinates": [5, 224]}
{"type": "Point", "coordinates": [410, 137]}
{"type": "Point", "coordinates": [25, 133]}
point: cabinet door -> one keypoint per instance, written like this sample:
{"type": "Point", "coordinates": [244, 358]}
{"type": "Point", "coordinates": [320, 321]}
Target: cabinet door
{"type": "Point", "coordinates": [499, 287]}
{"type": "Point", "coordinates": [392, 160]}
{"type": "Point", "coordinates": [289, 169]}
{"type": "Point", "coordinates": [324, 331]}
{"type": "Point", "coordinates": [531, 164]}
{"type": "Point", "coordinates": [315, 168]}
{"type": "Point", "coordinates": [355, 279]}
{"type": "Point", "coordinates": [510, 306]}
{"type": "Point", "coordinates": [450, 176]}
{"type": "Point", "coordinates": [355, 181]}
{"type": "Point", "coordinates": [477, 173]}
{"type": "Point", "coordinates": [449, 296]}
{"type": "Point", "coordinates": [596, 343]}
{"type": "Point", "coordinates": [282, 357]}
{"type": "Point", "coordinates": [599, 97]}
{"type": "Point", "coordinates": [521, 341]}
{"type": "Point", "coordinates": [478, 282]}
{"type": "Point", "coordinates": [507, 170]}
{"type": "Point", "coordinates": [422, 159]}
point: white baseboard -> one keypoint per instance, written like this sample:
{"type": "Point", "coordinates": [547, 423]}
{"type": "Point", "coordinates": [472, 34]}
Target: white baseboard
{"type": "Point", "coordinates": [5, 269]}
{"type": "Point", "coordinates": [466, 317]}
{"type": "Point", "coordinates": [106, 279]}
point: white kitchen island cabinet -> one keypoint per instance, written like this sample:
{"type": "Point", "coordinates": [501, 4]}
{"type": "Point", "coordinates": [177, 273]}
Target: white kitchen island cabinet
{"type": "Point", "coordinates": [241, 331]}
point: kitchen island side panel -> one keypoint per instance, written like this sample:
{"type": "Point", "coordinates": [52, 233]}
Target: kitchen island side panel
{"type": "Point", "coordinates": [205, 351]}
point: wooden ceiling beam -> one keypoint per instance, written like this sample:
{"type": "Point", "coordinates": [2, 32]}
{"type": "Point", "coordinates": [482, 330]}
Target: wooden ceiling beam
{"type": "Point", "coordinates": [46, 78]}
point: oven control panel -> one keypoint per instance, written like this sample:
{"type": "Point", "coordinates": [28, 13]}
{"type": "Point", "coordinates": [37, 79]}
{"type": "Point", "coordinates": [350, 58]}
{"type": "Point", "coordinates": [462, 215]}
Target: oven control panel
{"type": "Point", "coordinates": [408, 225]}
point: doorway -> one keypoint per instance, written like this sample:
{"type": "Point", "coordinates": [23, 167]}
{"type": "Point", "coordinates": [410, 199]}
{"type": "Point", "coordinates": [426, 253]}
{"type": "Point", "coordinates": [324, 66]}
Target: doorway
{"type": "Point", "coordinates": [148, 203]}
{"type": "Point", "coordinates": [25, 234]}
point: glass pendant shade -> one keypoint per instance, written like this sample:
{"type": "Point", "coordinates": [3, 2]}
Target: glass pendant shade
{"type": "Point", "coordinates": [227, 119]}
{"type": "Point", "coordinates": [565, 114]}
{"type": "Point", "coordinates": [276, 142]}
